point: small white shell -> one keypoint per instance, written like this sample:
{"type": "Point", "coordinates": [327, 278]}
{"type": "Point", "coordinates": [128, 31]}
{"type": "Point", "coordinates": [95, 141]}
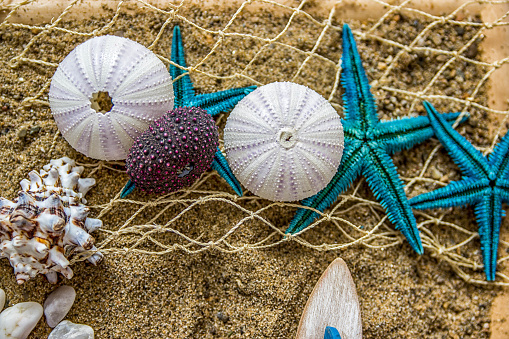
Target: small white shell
{"type": "Point", "coordinates": [138, 83]}
{"type": "Point", "coordinates": [284, 141]}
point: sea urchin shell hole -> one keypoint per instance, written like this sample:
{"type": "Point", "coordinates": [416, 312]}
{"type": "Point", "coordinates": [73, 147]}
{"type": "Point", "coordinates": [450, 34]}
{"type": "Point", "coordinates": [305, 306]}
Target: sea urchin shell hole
{"type": "Point", "coordinates": [284, 141]}
{"type": "Point", "coordinates": [174, 151]}
{"type": "Point", "coordinates": [287, 137]}
{"type": "Point", "coordinates": [101, 102]}
{"type": "Point", "coordinates": [106, 92]}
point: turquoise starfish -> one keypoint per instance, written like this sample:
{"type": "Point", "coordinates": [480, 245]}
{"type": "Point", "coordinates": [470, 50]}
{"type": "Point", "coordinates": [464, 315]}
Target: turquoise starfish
{"type": "Point", "coordinates": [485, 184]}
{"type": "Point", "coordinates": [331, 333]}
{"type": "Point", "coordinates": [369, 143]}
{"type": "Point", "coordinates": [213, 103]}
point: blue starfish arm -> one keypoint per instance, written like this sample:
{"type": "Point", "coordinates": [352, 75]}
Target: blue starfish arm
{"type": "Point", "coordinates": [384, 181]}
{"type": "Point", "coordinates": [405, 133]}
{"type": "Point", "coordinates": [220, 165]}
{"type": "Point", "coordinates": [489, 215]}
{"type": "Point", "coordinates": [182, 87]}
{"type": "Point", "coordinates": [128, 189]}
{"type": "Point", "coordinates": [359, 102]}
{"type": "Point", "coordinates": [331, 333]}
{"type": "Point", "coordinates": [471, 162]}
{"type": "Point", "coordinates": [467, 191]}
{"type": "Point", "coordinates": [219, 102]}
{"type": "Point", "coordinates": [348, 170]}
{"type": "Point", "coordinates": [213, 103]}
{"type": "Point", "coordinates": [499, 158]}
{"type": "Point", "coordinates": [502, 188]}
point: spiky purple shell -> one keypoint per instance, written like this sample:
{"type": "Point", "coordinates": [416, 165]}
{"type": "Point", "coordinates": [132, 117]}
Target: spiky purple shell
{"type": "Point", "coordinates": [174, 151]}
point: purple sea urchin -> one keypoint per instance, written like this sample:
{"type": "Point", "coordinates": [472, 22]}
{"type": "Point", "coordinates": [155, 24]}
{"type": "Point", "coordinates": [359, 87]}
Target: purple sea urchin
{"type": "Point", "coordinates": [174, 151]}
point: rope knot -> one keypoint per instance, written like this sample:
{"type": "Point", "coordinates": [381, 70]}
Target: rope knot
{"type": "Point", "coordinates": [171, 15]}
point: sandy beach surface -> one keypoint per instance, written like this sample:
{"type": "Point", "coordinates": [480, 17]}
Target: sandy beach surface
{"type": "Point", "coordinates": [253, 283]}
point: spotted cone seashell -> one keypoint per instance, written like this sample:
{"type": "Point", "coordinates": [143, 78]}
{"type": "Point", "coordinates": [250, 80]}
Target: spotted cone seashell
{"type": "Point", "coordinates": [47, 223]}
{"type": "Point", "coordinates": [284, 141]}
{"type": "Point", "coordinates": [101, 68]}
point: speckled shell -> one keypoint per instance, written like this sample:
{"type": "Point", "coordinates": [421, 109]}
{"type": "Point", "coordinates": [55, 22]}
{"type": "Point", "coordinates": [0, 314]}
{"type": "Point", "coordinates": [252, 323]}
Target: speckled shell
{"type": "Point", "coordinates": [174, 151]}
{"type": "Point", "coordinates": [284, 141]}
{"type": "Point", "coordinates": [138, 83]}
{"type": "Point", "coordinates": [47, 223]}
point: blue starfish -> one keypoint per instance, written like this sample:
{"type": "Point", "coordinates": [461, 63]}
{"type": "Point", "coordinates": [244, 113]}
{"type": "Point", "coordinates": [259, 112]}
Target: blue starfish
{"type": "Point", "coordinates": [331, 333]}
{"type": "Point", "coordinates": [213, 103]}
{"type": "Point", "coordinates": [485, 184]}
{"type": "Point", "coordinates": [368, 144]}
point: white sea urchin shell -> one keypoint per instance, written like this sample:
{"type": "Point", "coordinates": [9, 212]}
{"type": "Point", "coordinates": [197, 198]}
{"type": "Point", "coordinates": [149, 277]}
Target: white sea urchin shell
{"type": "Point", "coordinates": [138, 83]}
{"type": "Point", "coordinates": [47, 223]}
{"type": "Point", "coordinates": [284, 141]}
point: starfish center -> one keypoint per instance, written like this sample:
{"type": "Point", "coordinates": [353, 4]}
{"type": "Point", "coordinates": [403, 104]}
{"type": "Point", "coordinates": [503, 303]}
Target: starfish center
{"type": "Point", "coordinates": [368, 136]}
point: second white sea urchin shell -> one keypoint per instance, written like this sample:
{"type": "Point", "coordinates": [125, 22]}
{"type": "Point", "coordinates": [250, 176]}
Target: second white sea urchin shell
{"type": "Point", "coordinates": [284, 141]}
{"type": "Point", "coordinates": [133, 83]}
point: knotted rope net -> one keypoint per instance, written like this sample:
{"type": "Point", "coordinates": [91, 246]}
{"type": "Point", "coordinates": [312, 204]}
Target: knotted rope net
{"type": "Point", "coordinates": [410, 54]}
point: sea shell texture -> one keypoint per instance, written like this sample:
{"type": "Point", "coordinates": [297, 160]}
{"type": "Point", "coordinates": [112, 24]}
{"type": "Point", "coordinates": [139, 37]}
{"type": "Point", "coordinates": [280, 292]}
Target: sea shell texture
{"type": "Point", "coordinates": [284, 141]}
{"type": "Point", "coordinates": [138, 83]}
{"type": "Point", "coordinates": [175, 150]}
{"type": "Point", "coordinates": [47, 223]}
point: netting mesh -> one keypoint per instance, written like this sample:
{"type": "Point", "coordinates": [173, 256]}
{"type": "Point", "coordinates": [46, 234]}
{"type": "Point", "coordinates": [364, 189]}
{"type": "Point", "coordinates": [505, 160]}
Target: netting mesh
{"type": "Point", "coordinates": [435, 58]}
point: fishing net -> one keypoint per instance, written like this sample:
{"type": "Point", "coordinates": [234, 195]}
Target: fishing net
{"type": "Point", "coordinates": [410, 53]}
